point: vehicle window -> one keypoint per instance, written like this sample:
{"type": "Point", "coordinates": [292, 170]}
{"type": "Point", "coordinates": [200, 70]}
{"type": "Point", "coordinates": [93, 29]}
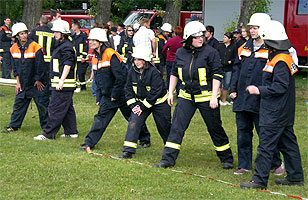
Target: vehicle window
{"type": "Point", "coordinates": [156, 22]}
{"type": "Point", "coordinates": [84, 23]}
{"type": "Point", "coordinates": [134, 18]}
{"type": "Point", "coordinates": [302, 8]}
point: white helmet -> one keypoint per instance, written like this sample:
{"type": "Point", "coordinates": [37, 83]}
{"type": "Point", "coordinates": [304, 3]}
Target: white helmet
{"type": "Point", "coordinates": [193, 28]}
{"type": "Point", "coordinates": [259, 19]}
{"type": "Point", "coordinates": [274, 35]}
{"type": "Point", "coordinates": [166, 27]}
{"type": "Point", "coordinates": [98, 34]}
{"type": "Point", "coordinates": [142, 53]}
{"type": "Point", "coordinates": [18, 27]}
{"type": "Point", "coordinates": [62, 26]}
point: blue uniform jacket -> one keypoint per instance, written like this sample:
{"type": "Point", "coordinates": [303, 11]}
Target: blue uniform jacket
{"type": "Point", "coordinates": [247, 70]}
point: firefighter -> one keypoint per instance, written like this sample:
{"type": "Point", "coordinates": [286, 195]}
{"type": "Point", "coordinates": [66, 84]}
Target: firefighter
{"type": "Point", "coordinates": [110, 79]}
{"type": "Point", "coordinates": [247, 70]}
{"type": "Point", "coordinates": [145, 93]}
{"type": "Point", "coordinates": [31, 74]}
{"type": "Point", "coordinates": [125, 48]}
{"type": "Point", "coordinates": [197, 67]}
{"type": "Point", "coordinates": [79, 40]}
{"type": "Point", "coordinates": [161, 40]}
{"type": "Point", "coordinates": [5, 45]}
{"type": "Point", "coordinates": [63, 83]}
{"type": "Point", "coordinates": [277, 110]}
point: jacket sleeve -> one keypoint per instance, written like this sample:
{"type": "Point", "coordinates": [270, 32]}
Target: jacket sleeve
{"type": "Point", "coordinates": [41, 68]}
{"type": "Point", "coordinates": [116, 69]}
{"type": "Point", "coordinates": [129, 92]}
{"type": "Point", "coordinates": [15, 72]}
{"type": "Point", "coordinates": [4, 37]}
{"type": "Point", "coordinates": [155, 91]}
{"type": "Point", "coordinates": [280, 82]}
{"type": "Point", "coordinates": [174, 70]}
{"type": "Point", "coordinates": [235, 75]}
{"type": "Point", "coordinates": [69, 56]}
{"type": "Point", "coordinates": [166, 46]}
{"type": "Point", "coordinates": [233, 54]}
{"type": "Point", "coordinates": [85, 46]}
{"type": "Point", "coordinates": [216, 67]}
{"type": "Point", "coordinates": [119, 48]}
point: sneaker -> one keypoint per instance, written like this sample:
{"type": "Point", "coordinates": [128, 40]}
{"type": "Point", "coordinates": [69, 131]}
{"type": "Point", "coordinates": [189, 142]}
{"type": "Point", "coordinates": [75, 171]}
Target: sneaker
{"type": "Point", "coordinates": [242, 171]}
{"type": "Point", "coordinates": [252, 185]}
{"type": "Point", "coordinates": [69, 136]}
{"type": "Point", "coordinates": [40, 137]}
{"type": "Point", "coordinates": [143, 146]}
{"type": "Point", "coordinates": [126, 155]}
{"type": "Point", "coordinates": [9, 129]}
{"type": "Point", "coordinates": [85, 147]}
{"type": "Point", "coordinates": [287, 182]}
{"type": "Point", "coordinates": [227, 165]}
{"type": "Point", "coordinates": [279, 171]}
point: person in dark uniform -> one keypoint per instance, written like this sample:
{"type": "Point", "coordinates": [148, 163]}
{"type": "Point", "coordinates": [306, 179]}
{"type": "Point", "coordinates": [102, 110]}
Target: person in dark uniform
{"type": "Point", "coordinates": [31, 75]}
{"type": "Point", "coordinates": [209, 35]}
{"type": "Point", "coordinates": [197, 66]}
{"type": "Point", "coordinates": [5, 45]}
{"type": "Point", "coordinates": [79, 40]}
{"type": "Point", "coordinates": [277, 110]}
{"type": "Point", "coordinates": [63, 83]}
{"type": "Point", "coordinates": [145, 93]}
{"type": "Point", "coordinates": [125, 48]}
{"type": "Point", "coordinates": [110, 79]}
{"type": "Point", "coordinates": [247, 70]}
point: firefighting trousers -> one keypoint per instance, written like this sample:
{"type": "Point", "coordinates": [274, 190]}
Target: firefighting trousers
{"type": "Point", "coordinates": [162, 118]}
{"type": "Point", "coordinates": [81, 71]}
{"type": "Point", "coordinates": [245, 122]}
{"type": "Point", "coordinates": [103, 118]}
{"type": "Point", "coordinates": [61, 112]}
{"type": "Point", "coordinates": [184, 111]}
{"type": "Point", "coordinates": [284, 139]}
{"type": "Point", "coordinates": [20, 108]}
{"type": "Point", "coordinates": [6, 65]}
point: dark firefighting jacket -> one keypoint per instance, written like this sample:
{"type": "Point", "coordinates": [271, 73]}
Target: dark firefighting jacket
{"type": "Point", "coordinates": [277, 91]}
{"type": "Point", "coordinates": [28, 64]}
{"type": "Point", "coordinates": [64, 54]}
{"type": "Point", "coordinates": [81, 45]}
{"type": "Point", "coordinates": [247, 70]}
{"type": "Point", "coordinates": [145, 89]}
{"type": "Point", "coordinates": [5, 40]}
{"type": "Point", "coordinates": [126, 45]}
{"type": "Point", "coordinates": [196, 69]}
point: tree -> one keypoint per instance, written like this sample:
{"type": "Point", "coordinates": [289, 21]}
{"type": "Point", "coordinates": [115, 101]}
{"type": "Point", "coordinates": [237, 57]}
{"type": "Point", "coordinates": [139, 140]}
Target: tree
{"type": "Point", "coordinates": [172, 12]}
{"type": "Point", "coordinates": [32, 12]}
{"type": "Point", "coordinates": [249, 7]}
{"type": "Point", "coordinates": [104, 9]}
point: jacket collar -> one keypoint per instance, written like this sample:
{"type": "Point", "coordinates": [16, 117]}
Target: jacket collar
{"type": "Point", "coordinates": [26, 45]}
{"type": "Point", "coordinates": [249, 45]}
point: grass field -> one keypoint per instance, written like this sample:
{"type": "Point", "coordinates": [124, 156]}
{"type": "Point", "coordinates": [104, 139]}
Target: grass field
{"type": "Point", "coordinates": [56, 169]}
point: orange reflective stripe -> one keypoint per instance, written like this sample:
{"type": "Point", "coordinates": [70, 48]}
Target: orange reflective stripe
{"type": "Point", "coordinates": [30, 52]}
{"type": "Point", "coordinates": [241, 48]}
{"type": "Point", "coordinates": [262, 53]}
{"type": "Point", "coordinates": [105, 61]}
{"type": "Point", "coordinates": [162, 37]}
{"type": "Point", "coordinates": [269, 67]}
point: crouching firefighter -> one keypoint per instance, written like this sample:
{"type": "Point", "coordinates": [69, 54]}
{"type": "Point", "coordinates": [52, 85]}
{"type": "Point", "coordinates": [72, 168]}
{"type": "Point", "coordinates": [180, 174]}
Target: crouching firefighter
{"type": "Point", "coordinates": [145, 93]}
{"type": "Point", "coordinates": [277, 110]}
{"type": "Point", "coordinates": [63, 83]}
{"type": "Point", "coordinates": [32, 76]}
{"type": "Point", "coordinates": [198, 68]}
{"type": "Point", "coordinates": [110, 79]}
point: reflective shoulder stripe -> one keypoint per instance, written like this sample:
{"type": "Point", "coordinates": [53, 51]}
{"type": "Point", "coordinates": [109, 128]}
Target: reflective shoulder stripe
{"type": "Point", "coordinates": [1, 50]}
{"type": "Point", "coordinates": [15, 51]}
{"type": "Point", "coordinates": [103, 64]}
{"type": "Point", "coordinates": [262, 53]}
{"type": "Point", "coordinates": [202, 76]}
{"type": "Point", "coordinates": [131, 101]}
{"type": "Point", "coordinates": [281, 57]}
{"type": "Point", "coordinates": [245, 52]}
{"type": "Point", "coordinates": [16, 55]}
{"type": "Point", "coordinates": [173, 145]}
{"type": "Point", "coordinates": [81, 48]}
{"type": "Point", "coordinates": [135, 89]}
{"type": "Point", "coordinates": [162, 37]}
{"type": "Point", "coordinates": [180, 73]}
{"type": "Point", "coordinates": [108, 53]}
{"type": "Point", "coordinates": [222, 148]}
{"type": "Point", "coordinates": [162, 100]}
{"type": "Point", "coordinates": [241, 48]}
{"type": "Point", "coordinates": [130, 144]}
{"type": "Point", "coordinates": [29, 55]}
{"type": "Point", "coordinates": [55, 65]}
{"type": "Point", "coordinates": [219, 75]}
{"type": "Point", "coordinates": [184, 95]}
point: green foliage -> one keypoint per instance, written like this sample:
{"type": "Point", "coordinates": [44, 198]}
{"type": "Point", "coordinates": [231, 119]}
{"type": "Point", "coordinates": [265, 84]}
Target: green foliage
{"type": "Point", "coordinates": [192, 5]}
{"type": "Point", "coordinates": [231, 24]}
{"type": "Point", "coordinates": [12, 9]}
{"type": "Point", "coordinates": [93, 7]}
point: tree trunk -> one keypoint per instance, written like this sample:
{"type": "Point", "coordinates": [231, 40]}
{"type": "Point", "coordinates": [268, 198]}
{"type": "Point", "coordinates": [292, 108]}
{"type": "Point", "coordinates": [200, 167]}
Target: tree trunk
{"type": "Point", "coordinates": [32, 12]}
{"type": "Point", "coordinates": [245, 12]}
{"type": "Point", "coordinates": [104, 7]}
{"type": "Point", "coordinates": [172, 13]}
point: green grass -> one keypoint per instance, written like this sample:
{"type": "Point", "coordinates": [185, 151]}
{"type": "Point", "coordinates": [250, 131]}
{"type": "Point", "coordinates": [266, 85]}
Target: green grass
{"type": "Point", "coordinates": [56, 169]}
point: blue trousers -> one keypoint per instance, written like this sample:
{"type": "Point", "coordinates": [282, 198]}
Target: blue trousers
{"type": "Point", "coordinates": [20, 108]}
{"type": "Point", "coordinates": [184, 111]}
{"type": "Point", "coordinates": [245, 121]}
{"type": "Point", "coordinates": [283, 138]}
{"type": "Point", "coordinates": [6, 65]}
{"type": "Point", "coordinates": [162, 118]}
{"type": "Point", "coordinates": [61, 112]}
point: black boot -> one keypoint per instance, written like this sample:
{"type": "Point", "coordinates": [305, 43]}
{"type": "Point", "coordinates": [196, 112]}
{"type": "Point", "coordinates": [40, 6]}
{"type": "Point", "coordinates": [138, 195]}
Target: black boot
{"type": "Point", "coordinates": [287, 182]}
{"type": "Point", "coordinates": [126, 155]}
{"type": "Point", "coordinates": [163, 165]}
{"type": "Point", "coordinates": [252, 185]}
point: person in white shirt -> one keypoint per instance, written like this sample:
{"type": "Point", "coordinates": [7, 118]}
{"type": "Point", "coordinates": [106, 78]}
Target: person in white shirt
{"type": "Point", "coordinates": [145, 36]}
{"type": "Point", "coordinates": [116, 38]}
